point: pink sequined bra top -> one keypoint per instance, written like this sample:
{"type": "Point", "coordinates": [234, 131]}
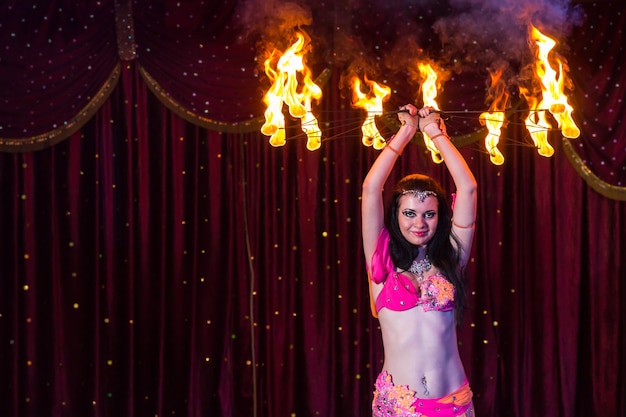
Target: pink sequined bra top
{"type": "Point", "coordinates": [435, 292]}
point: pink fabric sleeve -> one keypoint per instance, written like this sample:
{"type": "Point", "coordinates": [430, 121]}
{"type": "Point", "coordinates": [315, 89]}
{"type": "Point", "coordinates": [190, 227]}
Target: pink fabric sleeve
{"type": "Point", "coordinates": [381, 264]}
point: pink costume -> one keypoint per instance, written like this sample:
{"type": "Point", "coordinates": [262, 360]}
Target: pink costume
{"type": "Point", "coordinates": [399, 401]}
{"type": "Point", "coordinates": [435, 293]}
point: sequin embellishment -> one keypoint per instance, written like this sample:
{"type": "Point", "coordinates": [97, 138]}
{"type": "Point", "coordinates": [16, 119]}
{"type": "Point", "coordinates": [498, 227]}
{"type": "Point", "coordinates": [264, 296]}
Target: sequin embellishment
{"type": "Point", "coordinates": [393, 400]}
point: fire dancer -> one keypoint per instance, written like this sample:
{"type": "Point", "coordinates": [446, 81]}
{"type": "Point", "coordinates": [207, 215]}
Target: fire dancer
{"type": "Point", "coordinates": [415, 260]}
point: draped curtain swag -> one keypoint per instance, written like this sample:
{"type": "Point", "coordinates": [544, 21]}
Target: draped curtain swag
{"type": "Point", "coordinates": [215, 65]}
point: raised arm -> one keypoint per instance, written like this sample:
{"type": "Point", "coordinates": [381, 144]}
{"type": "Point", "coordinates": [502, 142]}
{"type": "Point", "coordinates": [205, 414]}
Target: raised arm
{"type": "Point", "coordinates": [464, 212]}
{"type": "Point", "coordinates": [372, 210]}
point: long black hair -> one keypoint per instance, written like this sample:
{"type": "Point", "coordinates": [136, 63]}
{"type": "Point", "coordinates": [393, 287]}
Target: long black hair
{"type": "Point", "coordinates": [440, 250]}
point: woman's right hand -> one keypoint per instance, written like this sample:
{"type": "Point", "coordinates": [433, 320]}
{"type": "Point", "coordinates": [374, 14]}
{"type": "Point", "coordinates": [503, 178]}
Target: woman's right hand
{"type": "Point", "coordinates": [408, 115]}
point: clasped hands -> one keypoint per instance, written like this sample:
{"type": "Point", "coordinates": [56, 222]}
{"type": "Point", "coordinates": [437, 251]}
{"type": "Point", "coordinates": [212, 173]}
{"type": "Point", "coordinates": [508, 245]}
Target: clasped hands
{"type": "Point", "coordinates": [428, 121]}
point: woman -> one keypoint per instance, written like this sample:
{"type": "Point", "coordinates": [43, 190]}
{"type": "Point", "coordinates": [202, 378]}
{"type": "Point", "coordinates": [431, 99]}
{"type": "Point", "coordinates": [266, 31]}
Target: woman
{"type": "Point", "coordinates": [415, 265]}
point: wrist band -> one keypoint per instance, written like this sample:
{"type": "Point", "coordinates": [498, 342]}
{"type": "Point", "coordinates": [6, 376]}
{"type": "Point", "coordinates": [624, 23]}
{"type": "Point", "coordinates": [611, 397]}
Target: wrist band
{"type": "Point", "coordinates": [392, 149]}
{"type": "Point", "coordinates": [440, 134]}
{"type": "Point", "coordinates": [464, 227]}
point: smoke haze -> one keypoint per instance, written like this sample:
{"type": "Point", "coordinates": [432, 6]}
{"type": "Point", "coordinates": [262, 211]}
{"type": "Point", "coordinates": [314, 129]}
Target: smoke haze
{"type": "Point", "coordinates": [384, 38]}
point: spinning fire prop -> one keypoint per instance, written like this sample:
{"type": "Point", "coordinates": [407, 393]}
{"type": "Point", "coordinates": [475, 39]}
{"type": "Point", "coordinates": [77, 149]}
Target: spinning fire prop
{"type": "Point", "coordinates": [284, 90]}
{"type": "Point", "coordinates": [292, 86]}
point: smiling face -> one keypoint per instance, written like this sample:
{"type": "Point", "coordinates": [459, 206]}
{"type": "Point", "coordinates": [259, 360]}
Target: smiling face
{"type": "Point", "coordinates": [418, 219]}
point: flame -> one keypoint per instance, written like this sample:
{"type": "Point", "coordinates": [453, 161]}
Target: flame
{"type": "Point", "coordinates": [494, 118]}
{"type": "Point", "coordinates": [373, 104]}
{"type": "Point", "coordinates": [553, 83]}
{"type": "Point", "coordinates": [553, 97]}
{"type": "Point", "coordinates": [429, 92]}
{"type": "Point", "coordinates": [309, 123]}
{"type": "Point", "coordinates": [284, 90]}
{"type": "Point", "coordinates": [537, 124]}
{"type": "Point", "coordinates": [274, 125]}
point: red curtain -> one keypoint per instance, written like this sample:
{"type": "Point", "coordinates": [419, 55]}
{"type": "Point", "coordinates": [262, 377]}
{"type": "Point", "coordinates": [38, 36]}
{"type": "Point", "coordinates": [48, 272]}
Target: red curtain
{"type": "Point", "coordinates": [155, 264]}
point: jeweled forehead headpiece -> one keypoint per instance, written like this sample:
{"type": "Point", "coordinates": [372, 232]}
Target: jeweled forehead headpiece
{"type": "Point", "coordinates": [420, 194]}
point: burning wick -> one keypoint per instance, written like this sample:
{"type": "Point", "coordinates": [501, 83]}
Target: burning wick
{"type": "Point", "coordinates": [284, 90]}
{"type": "Point", "coordinates": [373, 104]}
